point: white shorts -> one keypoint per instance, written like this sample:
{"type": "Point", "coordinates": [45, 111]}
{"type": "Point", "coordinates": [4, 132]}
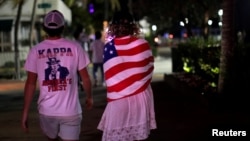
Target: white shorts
{"type": "Point", "coordinates": [67, 128]}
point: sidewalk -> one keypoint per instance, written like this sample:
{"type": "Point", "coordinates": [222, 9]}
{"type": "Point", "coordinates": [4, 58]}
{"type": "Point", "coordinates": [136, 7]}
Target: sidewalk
{"type": "Point", "coordinates": [179, 116]}
{"type": "Point", "coordinates": [7, 86]}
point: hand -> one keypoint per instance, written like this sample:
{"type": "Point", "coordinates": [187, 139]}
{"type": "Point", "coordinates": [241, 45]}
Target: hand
{"type": "Point", "coordinates": [89, 103]}
{"type": "Point", "coordinates": [25, 123]}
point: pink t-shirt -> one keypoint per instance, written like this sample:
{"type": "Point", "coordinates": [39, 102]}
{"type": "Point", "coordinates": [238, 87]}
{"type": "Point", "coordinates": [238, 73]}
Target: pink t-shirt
{"type": "Point", "coordinates": [97, 51]}
{"type": "Point", "coordinates": [56, 63]}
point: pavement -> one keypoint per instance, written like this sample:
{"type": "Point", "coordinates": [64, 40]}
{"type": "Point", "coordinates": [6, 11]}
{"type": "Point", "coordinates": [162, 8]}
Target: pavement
{"type": "Point", "coordinates": [181, 115]}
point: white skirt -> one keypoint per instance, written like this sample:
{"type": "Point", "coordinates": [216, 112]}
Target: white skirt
{"type": "Point", "coordinates": [129, 118]}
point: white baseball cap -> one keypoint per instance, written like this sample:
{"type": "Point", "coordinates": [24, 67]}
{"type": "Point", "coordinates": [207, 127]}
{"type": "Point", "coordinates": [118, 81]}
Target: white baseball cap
{"type": "Point", "coordinates": [54, 20]}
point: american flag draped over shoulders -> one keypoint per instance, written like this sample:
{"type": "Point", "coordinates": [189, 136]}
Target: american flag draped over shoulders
{"type": "Point", "coordinates": [128, 66]}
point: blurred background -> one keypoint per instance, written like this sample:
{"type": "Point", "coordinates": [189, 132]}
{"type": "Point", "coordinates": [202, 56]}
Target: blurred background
{"type": "Point", "coordinates": [208, 39]}
{"type": "Point", "coordinates": [163, 23]}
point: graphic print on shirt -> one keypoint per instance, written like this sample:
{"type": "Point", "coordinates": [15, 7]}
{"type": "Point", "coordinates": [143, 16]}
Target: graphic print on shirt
{"type": "Point", "coordinates": [55, 76]}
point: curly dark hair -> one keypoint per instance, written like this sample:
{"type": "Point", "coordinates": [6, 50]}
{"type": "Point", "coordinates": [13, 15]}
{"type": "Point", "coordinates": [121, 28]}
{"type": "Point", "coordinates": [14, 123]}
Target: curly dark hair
{"type": "Point", "coordinates": [123, 24]}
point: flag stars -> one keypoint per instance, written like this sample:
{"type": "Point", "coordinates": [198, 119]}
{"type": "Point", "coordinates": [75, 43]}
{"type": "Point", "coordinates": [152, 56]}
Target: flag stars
{"type": "Point", "coordinates": [111, 51]}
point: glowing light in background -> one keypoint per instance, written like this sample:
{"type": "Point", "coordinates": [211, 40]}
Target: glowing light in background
{"type": "Point", "coordinates": [91, 8]}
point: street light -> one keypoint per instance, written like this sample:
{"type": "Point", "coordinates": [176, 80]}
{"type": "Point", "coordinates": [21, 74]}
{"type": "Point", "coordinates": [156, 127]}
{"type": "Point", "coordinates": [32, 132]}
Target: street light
{"type": "Point", "coordinates": [209, 22]}
{"type": "Point", "coordinates": [182, 23]}
{"type": "Point", "coordinates": [154, 28]}
{"type": "Point", "coordinates": [220, 13]}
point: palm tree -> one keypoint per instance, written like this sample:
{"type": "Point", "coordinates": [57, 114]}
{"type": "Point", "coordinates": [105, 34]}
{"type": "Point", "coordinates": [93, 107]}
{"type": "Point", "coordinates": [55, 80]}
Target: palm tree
{"type": "Point", "coordinates": [32, 23]}
{"type": "Point", "coordinates": [233, 84]}
{"type": "Point", "coordinates": [18, 3]}
{"type": "Point", "coordinates": [2, 1]}
{"type": "Point", "coordinates": [70, 3]}
{"type": "Point", "coordinates": [227, 47]}
{"type": "Point", "coordinates": [115, 4]}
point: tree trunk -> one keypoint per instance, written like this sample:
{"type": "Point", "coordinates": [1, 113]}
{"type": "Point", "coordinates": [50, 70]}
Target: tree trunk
{"type": "Point", "coordinates": [32, 21]}
{"type": "Point", "coordinates": [17, 57]}
{"type": "Point", "coordinates": [233, 85]}
{"type": "Point", "coordinates": [227, 48]}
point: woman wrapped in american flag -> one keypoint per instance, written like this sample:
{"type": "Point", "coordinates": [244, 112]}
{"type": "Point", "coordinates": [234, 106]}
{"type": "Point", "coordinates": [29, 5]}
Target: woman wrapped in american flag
{"type": "Point", "coordinates": [128, 67]}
